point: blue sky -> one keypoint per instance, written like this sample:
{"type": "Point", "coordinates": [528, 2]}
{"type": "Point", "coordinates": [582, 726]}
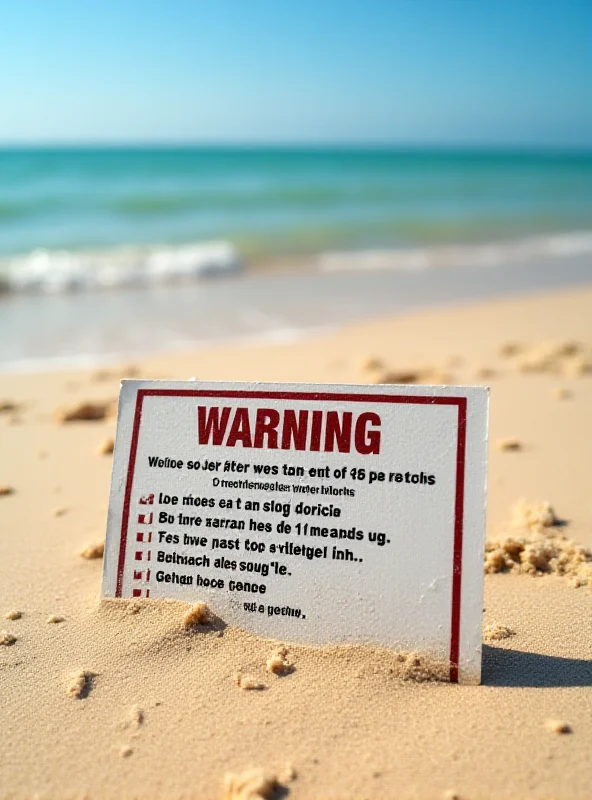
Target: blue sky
{"type": "Point", "coordinates": [510, 72]}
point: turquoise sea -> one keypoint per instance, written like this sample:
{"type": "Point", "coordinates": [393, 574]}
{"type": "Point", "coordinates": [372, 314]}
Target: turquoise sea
{"type": "Point", "coordinates": [126, 205]}
{"type": "Point", "coordinates": [356, 232]}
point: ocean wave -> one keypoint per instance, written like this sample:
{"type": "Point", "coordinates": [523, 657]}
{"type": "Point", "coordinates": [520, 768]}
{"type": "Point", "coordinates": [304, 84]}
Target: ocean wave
{"type": "Point", "coordinates": [56, 271]}
{"type": "Point", "coordinates": [477, 255]}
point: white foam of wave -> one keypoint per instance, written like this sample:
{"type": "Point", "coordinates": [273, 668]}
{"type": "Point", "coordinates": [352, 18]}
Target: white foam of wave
{"type": "Point", "coordinates": [63, 270]}
{"type": "Point", "coordinates": [478, 255]}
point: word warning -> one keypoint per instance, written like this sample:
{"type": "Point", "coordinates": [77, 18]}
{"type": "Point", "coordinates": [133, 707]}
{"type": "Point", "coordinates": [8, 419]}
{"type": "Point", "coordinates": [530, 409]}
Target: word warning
{"type": "Point", "coordinates": [308, 513]}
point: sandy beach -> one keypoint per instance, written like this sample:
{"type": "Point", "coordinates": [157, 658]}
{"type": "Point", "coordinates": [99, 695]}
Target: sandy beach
{"type": "Point", "coordinates": [118, 699]}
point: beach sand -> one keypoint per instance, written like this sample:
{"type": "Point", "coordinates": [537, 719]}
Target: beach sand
{"type": "Point", "coordinates": [120, 700]}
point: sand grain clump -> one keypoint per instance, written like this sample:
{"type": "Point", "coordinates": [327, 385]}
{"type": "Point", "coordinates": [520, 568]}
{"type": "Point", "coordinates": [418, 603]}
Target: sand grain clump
{"type": "Point", "coordinates": [534, 546]}
{"type": "Point", "coordinates": [54, 619]}
{"type": "Point", "coordinates": [277, 662]}
{"type": "Point", "coordinates": [420, 667]}
{"type": "Point", "coordinates": [287, 775]}
{"type": "Point", "coordinates": [371, 364]}
{"type": "Point", "coordinates": [568, 358]}
{"type": "Point", "coordinates": [576, 366]}
{"type": "Point", "coordinates": [198, 614]}
{"type": "Point", "coordinates": [508, 445]}
{"type": "Point", "coordinates": [106, 447]}
{"type": "Point", "coordinates": [494, 632]}
{"type": "Point", "coordinates": [86, 412]}
{"type": "Point", "coordinates": [13, 614]}
{"type": "Point", "coordinates": [136, 716]}
{"type": "Point", "coordinates": [252, 784]}
{"type": "Point", "coordinates": [425, 375]}
{"type": "Point", "coordinates": [7, 638]}
{"type": "Point", "coordinates": [93, 551]}
{"type": "Point", "coordinates": [538, 555]}
{"type": "Point", "coordinates": [6, 490]}
{"type": "Point", "coordinates": [79, 683]}
{"type": "Point", "coordinates": [557, 726]}
{"type": "Point", "coordinates": [533, 516]}
{"type": "Point", "coordinates": [248, 682]}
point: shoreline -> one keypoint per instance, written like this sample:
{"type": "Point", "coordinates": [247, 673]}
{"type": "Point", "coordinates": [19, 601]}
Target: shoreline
{"type": "Point", "coordinates": [94, 328]}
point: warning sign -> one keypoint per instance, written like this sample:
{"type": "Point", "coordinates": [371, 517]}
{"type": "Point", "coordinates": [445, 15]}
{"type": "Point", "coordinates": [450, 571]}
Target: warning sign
{"type": "Point", "coordinates": [310, 513]}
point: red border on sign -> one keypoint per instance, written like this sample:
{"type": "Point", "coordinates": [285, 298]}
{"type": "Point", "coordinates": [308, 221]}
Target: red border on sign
{"type": "Point", "coordinates": [459, 402]}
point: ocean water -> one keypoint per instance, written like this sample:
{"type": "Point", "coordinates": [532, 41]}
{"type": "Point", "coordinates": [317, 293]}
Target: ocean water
{"type": "Point", "coordinates": [79, 218]}
{"type": "Point", "coordinates": [362, 232]}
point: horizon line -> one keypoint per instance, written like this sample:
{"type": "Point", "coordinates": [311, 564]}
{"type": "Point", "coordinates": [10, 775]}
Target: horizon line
{"type": "Point", "coordinates": [246, 144]}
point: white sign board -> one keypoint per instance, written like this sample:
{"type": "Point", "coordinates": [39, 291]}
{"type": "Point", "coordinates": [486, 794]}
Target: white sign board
{"type": "Point", "coordinates": [307, 513]}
